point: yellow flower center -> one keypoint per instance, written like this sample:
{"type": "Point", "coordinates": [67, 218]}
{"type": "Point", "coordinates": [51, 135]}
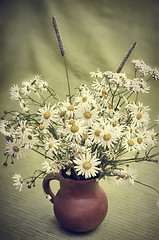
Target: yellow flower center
{"type": "Point", "coordinates": [56, 106]}
{"type": "Point", "coordinates": [130, 142]}
{"type": "Point", "coordinates": [104, 95]}
{"type": "Point", "coordinates": [62, 114]}
{"type": "Point", "coordinates": [50, 145]}
{"type": "Point", "coordinates": [46, 115]}
{"type": "Point", "coordinates": [15, 149]}
{"type": "Point", "coordinates": [130, 101]}
{"type": "Point", "coordinates": [139, 116]}
{"type": "Point", "coordinates": [104, 91]}
{"type": "Point", "coordinates": [109, 106]}
{"type": "Point", "coordinates": [23, 129]}
{"type": "Point", "coordinates": [107, 137]}
{"type": "Point", "coordinates": [41, 127]}
{"type": "Point", "coordinates": [85, 136]}
{"type": "Point", "coordinates": [114, 124]}
{"type": "Point", "coordinates": [97, 133]}
{"type": "Point", "coordinates": [139, 140]}
{"type": "Point", "coordinates": [74, 128]}
{"type": "Point", "coordinates": [70, 108]}
{"type": "Point", "coordinates": [30, 137]}
{"type": "Point", "coordinates": [152, 137]}
{"type": "Point", "coordinates": [87, 165]}
{"type": "Point", "coordinates": [131, 130]}
{"type": "Point", "coordinates": [126, 176]}
{"type": "Point", "coordinates": [72, 121]}
{"type": "Point", "coordinates": [87, 115]}
{"type": "Point", "coordinates": [140, 109]}
{"type": "Point", "coordinates": [84, 99]}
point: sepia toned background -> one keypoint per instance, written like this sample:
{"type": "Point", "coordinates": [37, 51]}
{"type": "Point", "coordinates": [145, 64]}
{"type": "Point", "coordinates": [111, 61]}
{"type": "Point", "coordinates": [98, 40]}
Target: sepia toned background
{"type": "Point", "coordinates": [96, 34]}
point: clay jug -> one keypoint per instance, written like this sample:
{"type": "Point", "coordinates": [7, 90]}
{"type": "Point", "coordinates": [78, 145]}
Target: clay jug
{"type": "Point", "coordinates": [79, 205]}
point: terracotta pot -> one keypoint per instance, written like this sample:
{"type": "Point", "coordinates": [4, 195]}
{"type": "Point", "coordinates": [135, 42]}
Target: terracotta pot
{"type": "Point", "coordinates": [79, 206]}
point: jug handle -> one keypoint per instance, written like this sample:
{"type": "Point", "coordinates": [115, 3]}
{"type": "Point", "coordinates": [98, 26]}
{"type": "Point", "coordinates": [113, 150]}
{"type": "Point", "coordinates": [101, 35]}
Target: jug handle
{"type": "Point", "coordinates": [46, 183]}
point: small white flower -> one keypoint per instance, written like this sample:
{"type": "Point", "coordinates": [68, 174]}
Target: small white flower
{"type": "Point", "coordinates": [68, 108]}
{"type": "Point", "coordinates": [28, 88]}
{"type": "Point", "coordinates": [51, 146]}
{"type": "Point", "coordinates": [157, 120]}
{"type": "Point", "coordinates": [96, 74]}
{"type": "Point", "coordinates": [18, 181]}
{"type": "Point", "coordinates": [87, 114]}
{"type": "Point", "coordinates": [74, 130]}
{"type": "Point", "coordinates": [142, 67]}
{"type": "Point", "coordinates": [47, 166]}
{"type": "Point", "coordinates": [39, 83]}
{"type": "Point", "coordinates": [85, 98]}
{"type": "Point", "coordinates": [47, 114]}
{"type": "Point", "coordinates": [30, 140]}
{"type": "Point", "coordinates": [5, 128]}
{"type": "Point", "coordinates": [125, 176]}
{"type": "Point", "coordinates": [95, 132]}
{"type": "Point", "coordinates": [150, 137]}
{"type": "Point", "coordinates": [14, 92]}
{"type": "Point", "coordinates": [109, 136]}
{"type": "Point", "coordinates": [155, 74]}
{"type": "Point", "coordinates": [23, 105]}
{"type": "Point", "coordinates": [87, 165]}
{"type": "Point", "coordinates": [139, 85]}
{"type": "Point", "coordinates": [14, 149]}
{"type": "Point", "coordinates": [140, 115]}
{"type": "Point", "coordinates": [22, 129]}
{"type": "Point", "coordinates": [129, 143]}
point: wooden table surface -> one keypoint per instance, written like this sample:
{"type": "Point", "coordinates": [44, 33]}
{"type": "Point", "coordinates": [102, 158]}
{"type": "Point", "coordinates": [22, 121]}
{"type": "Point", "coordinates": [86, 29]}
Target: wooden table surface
{"type": "Point", "coordinates": [95, 34]}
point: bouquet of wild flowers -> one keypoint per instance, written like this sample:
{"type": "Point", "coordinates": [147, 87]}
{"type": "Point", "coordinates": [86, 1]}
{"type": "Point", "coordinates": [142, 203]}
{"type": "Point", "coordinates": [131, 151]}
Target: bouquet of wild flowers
{"type": "Point", "coordinates": [86, 135]}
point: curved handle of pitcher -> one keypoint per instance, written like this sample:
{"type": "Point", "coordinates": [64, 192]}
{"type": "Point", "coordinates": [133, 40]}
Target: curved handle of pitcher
{"type": "Point", "coordinates": [46, 184]}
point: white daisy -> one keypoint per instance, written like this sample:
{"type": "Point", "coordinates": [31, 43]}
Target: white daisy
{"type": "Point", "coordinates": [22, 129]}
{"type": "Point", "coordinates": [30, 140]}
{"type": "Point", "coordinates": [28, 88]}
{"type": "Point", "coordinates": [5, 128]}
{"type": "Point", "coordinates": [95, 132]}
{"type": "Point", "coordinates": [15, 93]}
{"type": "Point", "coordinates": [47, 166]}
{"type": "Point", "coordinates": [108, 136]}
{"type": "Point", "coordinates": [68, 108]}
{"type": "Point", "coordinates": [52, 146]}
{"type": "Point", "coordinates": [47, 114]}
{"type": "Point", "coordinates": [125, 176]}
{"type": "Point", "coordinates": [140, 141]}
{"type": "Point", "coordinates": [18, 181]}
{"type": "Point", "coordinates": [15, 149]}
{"type": "Point", "coordinates": [140, 115]}
{"type": "Point", "coordinates": [23, 105]}
{"type": "Point", "coordinates": [87, 165]}
{"type": "Point", "coordinates": [40, 84]}
{"type": "Point", "coordinates": [150, 137]}
{"type": "Point", "coordinates": [84, 97]}
{"type": "Point", "coordinates": [129, 143]}
{"type": "Point", "coordinates": [96, 74]}
{"type": "Point", "coordinates": [78, 149]}
{"type": "Point", "coordinates": [87, 114]}
{"type": "Point", "coordinates": [74, 130]}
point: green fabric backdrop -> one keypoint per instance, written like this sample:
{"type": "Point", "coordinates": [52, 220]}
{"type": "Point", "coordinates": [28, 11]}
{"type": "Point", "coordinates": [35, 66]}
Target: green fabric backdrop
{"type": "Point", "coordinates": [96, 34]}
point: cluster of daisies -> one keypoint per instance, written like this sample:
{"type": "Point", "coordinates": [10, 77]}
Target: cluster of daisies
{"type": "Point", "coordinates": [87, 135]}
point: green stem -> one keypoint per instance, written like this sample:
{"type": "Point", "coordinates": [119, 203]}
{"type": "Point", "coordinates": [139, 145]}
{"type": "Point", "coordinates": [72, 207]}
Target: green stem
{"type": "Point", "coordinates": [68, 83]}
{"type": "Point", "coordinates": [42, 154]}
{"type": "Point", "coordinates": [146, 185]}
